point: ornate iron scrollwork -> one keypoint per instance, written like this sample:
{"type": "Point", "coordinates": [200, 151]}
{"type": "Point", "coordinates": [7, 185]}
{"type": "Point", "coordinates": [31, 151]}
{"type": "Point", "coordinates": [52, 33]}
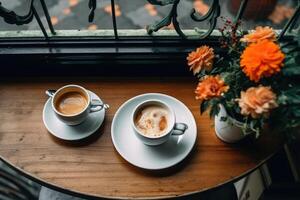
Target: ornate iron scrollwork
{"type": "Point", "coordinates": [211, 15]}
{"type": "Point", "coordinates": [11, 17]}
{"type": "Point", "coordinates": [171, 17]}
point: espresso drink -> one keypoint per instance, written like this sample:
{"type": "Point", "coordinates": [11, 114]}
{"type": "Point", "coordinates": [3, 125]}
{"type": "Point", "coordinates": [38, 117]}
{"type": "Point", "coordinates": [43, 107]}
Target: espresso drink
{"type": "Point", "coordinates": [152, 120]}
{"type": "Point", "coordinates": [71, 103]}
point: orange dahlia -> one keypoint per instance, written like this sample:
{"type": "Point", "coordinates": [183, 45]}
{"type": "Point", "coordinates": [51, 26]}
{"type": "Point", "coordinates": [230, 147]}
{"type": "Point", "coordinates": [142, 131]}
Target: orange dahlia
{"type": "Point", "coordinates": [261, 59]}
{"type": "Point", "coordinates": [257, 101]}
{"type": "Point", "coordinates": [209, 87]}
{"type": "Point", "coordinates": [260, 33]}
{"type": "Point", "coordinates": [202, 58]}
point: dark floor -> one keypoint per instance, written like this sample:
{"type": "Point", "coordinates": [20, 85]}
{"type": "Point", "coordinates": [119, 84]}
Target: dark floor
{"type": "Point", "coordinates": [16, 187]}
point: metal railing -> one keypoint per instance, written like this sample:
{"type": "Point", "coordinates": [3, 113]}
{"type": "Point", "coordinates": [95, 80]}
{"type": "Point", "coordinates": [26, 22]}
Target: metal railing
{"type": "Point", "coordinates": [211, 17]}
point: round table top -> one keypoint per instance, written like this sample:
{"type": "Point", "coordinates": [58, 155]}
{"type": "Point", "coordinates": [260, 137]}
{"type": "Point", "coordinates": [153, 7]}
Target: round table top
{"type": "Point", "coordinates": [93, 167]}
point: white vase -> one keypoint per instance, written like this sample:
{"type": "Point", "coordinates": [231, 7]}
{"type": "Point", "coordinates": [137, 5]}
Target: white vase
{"type": "Point", "coordinates": [229, 131]}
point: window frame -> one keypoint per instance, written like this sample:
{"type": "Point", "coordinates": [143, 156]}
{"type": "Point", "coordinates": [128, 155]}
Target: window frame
{"type": "Point", "coordinates": [108, 53]}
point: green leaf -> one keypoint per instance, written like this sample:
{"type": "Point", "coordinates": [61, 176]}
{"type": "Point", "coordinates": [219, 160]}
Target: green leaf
{"type": "Point", "coordinates": [296, 112]}
{"type": "Point", "coordinates": [289, 49]}
{"type": "Point", "coordinates": [201, 74]}
{"type": "Point", "coordinates": [203, 106]}
{"type": "Point", "coordinates": [291, 71]}
{"type": "Point", "coordinates": [298, 38]}
{"type": "Point", "coordinates": [291, 67]}
{"type": "Point", "coordinates": [291, 96]}
{"type": "Point", "coordinates": [215, 108]}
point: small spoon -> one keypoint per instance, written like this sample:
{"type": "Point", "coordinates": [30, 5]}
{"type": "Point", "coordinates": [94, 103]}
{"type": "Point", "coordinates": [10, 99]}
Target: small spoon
{"type": "Point", "coordinates": [50, 93]}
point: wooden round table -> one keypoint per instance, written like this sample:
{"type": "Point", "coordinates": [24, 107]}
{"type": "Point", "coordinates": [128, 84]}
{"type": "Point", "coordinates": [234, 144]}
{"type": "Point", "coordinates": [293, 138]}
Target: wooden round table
{"type": "Point", "coordinates": [93, 167]}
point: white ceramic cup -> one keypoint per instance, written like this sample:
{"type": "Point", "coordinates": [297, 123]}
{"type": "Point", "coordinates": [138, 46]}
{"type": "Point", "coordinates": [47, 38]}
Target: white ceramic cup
{"type": "Point", "coordinates": [173, 128]}
{"type": "Point", "coordinates": [93, 105]}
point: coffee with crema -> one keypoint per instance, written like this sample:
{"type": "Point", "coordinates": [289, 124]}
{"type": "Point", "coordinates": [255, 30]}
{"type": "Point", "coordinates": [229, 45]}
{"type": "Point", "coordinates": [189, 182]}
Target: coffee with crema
{"type": "Point", "coordinates": [71, 103]}
{"type": "Point", "coordinates": [152, 120]}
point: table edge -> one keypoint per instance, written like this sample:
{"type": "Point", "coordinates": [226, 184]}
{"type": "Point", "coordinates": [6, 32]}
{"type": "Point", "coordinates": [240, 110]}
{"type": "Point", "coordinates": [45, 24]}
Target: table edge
{"type": "Point", "coordinates": [86, 195]}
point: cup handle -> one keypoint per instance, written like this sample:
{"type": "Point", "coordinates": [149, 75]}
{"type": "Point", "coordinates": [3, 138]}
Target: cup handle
{"type": "Point", "coordinates": [50, 93]}
{"type": "Point", "coordinates": [179, 129]}
{"type": "Point", "coordinates": [96, 105]}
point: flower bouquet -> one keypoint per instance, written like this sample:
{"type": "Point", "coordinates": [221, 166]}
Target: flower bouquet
{"type": "Point", "coordinates": [253, 81]}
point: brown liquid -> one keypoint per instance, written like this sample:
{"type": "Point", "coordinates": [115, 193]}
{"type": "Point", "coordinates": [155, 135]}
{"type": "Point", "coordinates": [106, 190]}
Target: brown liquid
{"type": "Point", "coordinates": [71, 103]}
{"type": "Point", "coordinates": [152, 120]}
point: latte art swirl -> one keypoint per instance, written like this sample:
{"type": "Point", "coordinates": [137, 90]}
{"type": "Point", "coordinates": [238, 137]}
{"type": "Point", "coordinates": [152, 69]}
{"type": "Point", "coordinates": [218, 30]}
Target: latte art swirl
{"type": "Point", "coordinates": [152, 120]}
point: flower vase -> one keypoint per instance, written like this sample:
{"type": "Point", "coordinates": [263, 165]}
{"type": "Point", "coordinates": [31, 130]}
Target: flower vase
{"type": "Point", "coordinates": [229, 130]}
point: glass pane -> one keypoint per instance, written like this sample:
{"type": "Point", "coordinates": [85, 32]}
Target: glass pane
{"type": "Point", "coordinates": [133, 16]}
{"type": "Point", "coordinates": [274, 13]}
{"type": "Point", "coordinates": [73, 15]}
{"type": "Point", "coordinates": [140, 13]}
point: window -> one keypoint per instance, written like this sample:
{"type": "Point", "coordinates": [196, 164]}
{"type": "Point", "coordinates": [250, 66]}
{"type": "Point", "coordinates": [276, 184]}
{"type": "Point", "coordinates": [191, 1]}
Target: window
{"type": "Point", "coordinates": [70, 17]}
{"type": "Point", "coordinates": [137, 33]}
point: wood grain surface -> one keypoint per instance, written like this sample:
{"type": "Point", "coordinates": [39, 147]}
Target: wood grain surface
{"type": "Point", "coordinates": [93, 167]}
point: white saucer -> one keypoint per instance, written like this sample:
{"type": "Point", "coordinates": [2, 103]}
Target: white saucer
{"type": "Point", "coordinates": [152, 157]}
{"type": "Point", "coordinates": [78, 132]}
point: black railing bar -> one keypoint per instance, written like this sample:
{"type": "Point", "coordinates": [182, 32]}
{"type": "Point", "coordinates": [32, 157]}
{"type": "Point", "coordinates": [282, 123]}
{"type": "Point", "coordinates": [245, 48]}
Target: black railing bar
{"type": "Point", "coordinates": [47, 16]}
{"type": "Point", "coordinates": [297, 15]}
{"type": "Point", "coordinates": [11, 17]}
{"type": "Point", "coordinates": [241, 11]}
{"type": "Point", "coordinates": [114, 18]}
{"type": "Point", "coordinates": [38, 19]}
{"type": "Point", "coordinates": [175, 21]}
{"type": "Point", "coordinates": [92, 6]}
{"type": "Point", "coordinates": [290, 24]}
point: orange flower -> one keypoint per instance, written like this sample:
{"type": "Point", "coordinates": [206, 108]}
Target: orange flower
{"type": "Point", "coordinates": [202, 58]}
{"type": "Point", "coordinates": [257, 101]}
{"type": "Point", "coordinates": [261, 59]}
{"type": "Point", "coordinates": [211, 86]}
{"type": "Point", "coordinates": [260, 33]}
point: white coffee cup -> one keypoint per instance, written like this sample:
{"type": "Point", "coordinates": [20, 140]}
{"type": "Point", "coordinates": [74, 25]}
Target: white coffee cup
{"type": "Point", "coordinates": [93, 105]}
{"type": "Point", "coordinates": [173, 128]}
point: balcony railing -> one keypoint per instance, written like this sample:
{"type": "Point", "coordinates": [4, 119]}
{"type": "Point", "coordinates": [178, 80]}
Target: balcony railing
{"type": "Point", "coordinates": [170, 18]}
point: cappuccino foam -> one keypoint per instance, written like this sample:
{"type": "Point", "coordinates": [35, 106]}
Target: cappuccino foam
{"type": "Point", "coordinates": [152, 120]}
